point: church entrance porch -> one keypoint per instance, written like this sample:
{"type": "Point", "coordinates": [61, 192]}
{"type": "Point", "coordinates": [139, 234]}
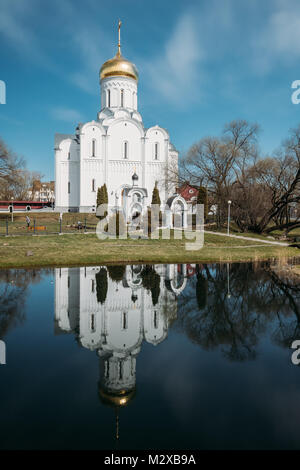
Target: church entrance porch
{"type": "Point", "coordinates": [176, 212]}
{"type": "Point", "coordinates": [133, 203]}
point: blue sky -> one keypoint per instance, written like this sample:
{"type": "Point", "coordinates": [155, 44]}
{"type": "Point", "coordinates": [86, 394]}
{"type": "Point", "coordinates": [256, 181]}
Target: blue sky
{"type": "Point", "coordinates": [201, 63]}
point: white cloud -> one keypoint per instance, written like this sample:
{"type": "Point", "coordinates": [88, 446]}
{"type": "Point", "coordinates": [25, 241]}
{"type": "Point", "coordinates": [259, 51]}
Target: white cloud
{"type": "Point", "coordinates": [279, 39]}
{"type": "Point", "coordinates": [88, 45]}
{"type": "Point", "coordinates": [174, 73]}
{"type": "Point", "coordinates": [66, 114]}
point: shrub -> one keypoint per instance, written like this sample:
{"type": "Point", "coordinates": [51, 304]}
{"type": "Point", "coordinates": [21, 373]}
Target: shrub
{"type": "Point", "coordinates": [116, 273]}
{"type": "Point", "coordinates": [102, 198]}
{"type": "Point", "coordinates": [151, 281]}
{"type": "Point", "coordinates": [155, 195]}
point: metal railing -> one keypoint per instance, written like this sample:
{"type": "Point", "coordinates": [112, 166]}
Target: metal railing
{"type": "Point", "coordinates": [46, 226]}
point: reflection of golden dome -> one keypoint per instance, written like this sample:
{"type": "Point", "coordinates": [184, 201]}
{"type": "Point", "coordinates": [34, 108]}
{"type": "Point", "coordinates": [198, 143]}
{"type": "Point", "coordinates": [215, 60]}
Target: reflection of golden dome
{"type": "Point", "coordinates": [117, 399]}
{"type": "Point", "coordinates": [118, 65]}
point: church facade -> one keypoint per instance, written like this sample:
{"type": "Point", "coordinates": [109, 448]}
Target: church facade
{"type": "Point", "coordinates": [115, 149]}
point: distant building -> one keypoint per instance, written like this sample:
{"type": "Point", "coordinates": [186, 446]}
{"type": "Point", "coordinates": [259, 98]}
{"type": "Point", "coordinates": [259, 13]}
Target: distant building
{"type": "Point", "coordinates": [189, 194]}
{"type": "Point", "coordinates": [44, 192]}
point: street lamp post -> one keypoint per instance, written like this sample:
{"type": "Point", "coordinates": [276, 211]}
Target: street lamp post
{"type": "Point", "coordinates": [228, 226]}
{"type": "Point", "coordinates": [12, 209]}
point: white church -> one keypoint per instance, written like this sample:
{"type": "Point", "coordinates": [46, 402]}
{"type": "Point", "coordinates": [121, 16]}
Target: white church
{"type": "Point", "coordinates": [115, 149]}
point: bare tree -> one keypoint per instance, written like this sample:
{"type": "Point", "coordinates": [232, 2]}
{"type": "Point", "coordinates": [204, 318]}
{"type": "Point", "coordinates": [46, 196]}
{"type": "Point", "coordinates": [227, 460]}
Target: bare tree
{"type": "Point", "coordinates": [264, 191]}
{"type": "Point", "coordinates": [15, 180]}
{"type": "Point", "coordinates": [10, 167]}
{"type": "Point", "coordinates": [214, 162]}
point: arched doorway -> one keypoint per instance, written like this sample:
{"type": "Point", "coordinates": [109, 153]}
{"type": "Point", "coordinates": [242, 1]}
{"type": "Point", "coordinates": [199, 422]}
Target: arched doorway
{"type": "Point", "coordinates": [177, 212]}
{"type": "Point", "coordinates": [136, 207]}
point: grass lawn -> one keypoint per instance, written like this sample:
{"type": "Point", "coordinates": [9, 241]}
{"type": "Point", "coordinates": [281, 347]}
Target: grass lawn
{"type": "Point", "coordinates": [80, 249]}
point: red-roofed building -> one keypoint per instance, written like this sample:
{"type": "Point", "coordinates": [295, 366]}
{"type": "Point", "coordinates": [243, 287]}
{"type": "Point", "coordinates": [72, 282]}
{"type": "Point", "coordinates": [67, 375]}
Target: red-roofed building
{"type": "Point", "coordinates": [189, 193]}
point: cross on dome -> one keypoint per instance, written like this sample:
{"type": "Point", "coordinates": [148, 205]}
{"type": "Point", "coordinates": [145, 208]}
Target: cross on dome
{"type": "Point", "coordinates": [118, 65]}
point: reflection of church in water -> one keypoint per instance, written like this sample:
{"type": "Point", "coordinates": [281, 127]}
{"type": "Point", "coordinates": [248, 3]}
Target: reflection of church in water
{"type": "Point", "coordinates": [111, 310]}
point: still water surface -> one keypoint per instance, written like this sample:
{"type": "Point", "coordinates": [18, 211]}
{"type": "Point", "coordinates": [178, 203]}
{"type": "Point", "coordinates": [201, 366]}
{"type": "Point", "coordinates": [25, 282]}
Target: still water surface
{"type": "Point", "coordinates": [150, 357]}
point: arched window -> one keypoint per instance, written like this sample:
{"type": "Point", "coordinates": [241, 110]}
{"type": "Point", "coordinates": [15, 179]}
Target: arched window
{"type": "Point", "coordinates": [155, 320]}
{"type": "Point", "coordinates": [124, 321]}
{"type": "Point", "coordinates": [93, 325]}
{"type": "Point", "coordinates": [93, 185]}
{"type": "Point", "coordinates": [93, 148]}
{"type": "Point", "coordinates": [108, 98]}
{"type": "Point", "coordinates": [156, 151]}
{"type": "Point", "coordinates": [120, 370]}
{"type": "Point", "coordinates": [69, 187]}
{"type": "Point", "coordinates": [69, 155]}
{"type": "Point", "coordinates": [106, 367]}
{"type": "Point", "coordinates": [122, 98]}
{"type": "Point", "coordinates": [125, 149]}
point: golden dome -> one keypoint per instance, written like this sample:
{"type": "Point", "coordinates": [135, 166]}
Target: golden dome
{"type": "Point", "coordinates": [117, 399]}
{"type": "Point", "coordinates": [118, 65]}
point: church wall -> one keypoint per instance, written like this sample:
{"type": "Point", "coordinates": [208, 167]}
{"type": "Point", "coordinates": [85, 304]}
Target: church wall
{"type": "Point", "coordinates": [118, 303]}
{"type": "Point", "coordinates": [90, 132]}
{"type": "Point", "coordinates": [156, 136]}
{"type": "Point", "coordinates": [90, 170]}
{"type": "Point", "coordinates": [67, 171]}
{"type": "Point", "coordinates": [91, 311]}
{"type": "Point", "coordinates": [67, 310]}
{"type": "Point", "coordinates": [120, 169]}
{"type": "Point", "coordinates": [118, 133]}
{"type": "Point", "coordinates": [155, 168]}
{"type": "Point", "coordinates": [91, 164]}
{"type": "Point", "coordinates": [62, 299]}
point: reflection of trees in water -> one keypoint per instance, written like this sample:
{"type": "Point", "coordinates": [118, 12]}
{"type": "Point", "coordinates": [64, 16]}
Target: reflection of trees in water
{"type": "Point", "coordinates": [235, 319]}
{"type": "Point", "coordinates": [201, 290]}
{"type": "Point", "coordinates": [286, 290]}
{"type": "Point", "coordinates": [151, 282]}
{"type": "Point", "coordinates": [101, 285]}
{"type": "Point", "coordinates": [14, 285]}
{"type": "Point", "coordinates": [116, 273]}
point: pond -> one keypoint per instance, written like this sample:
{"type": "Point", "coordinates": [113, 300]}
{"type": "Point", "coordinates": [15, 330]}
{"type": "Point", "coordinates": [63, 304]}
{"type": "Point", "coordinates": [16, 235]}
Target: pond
{"type": "Point", "coordinates": [150, 357]}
